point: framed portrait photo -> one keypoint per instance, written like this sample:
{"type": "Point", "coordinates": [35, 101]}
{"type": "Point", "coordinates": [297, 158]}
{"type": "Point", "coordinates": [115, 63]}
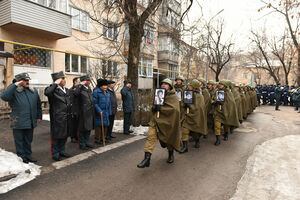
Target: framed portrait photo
{"type": "Point", "coordinates": [179, 94]}
{"type": "Point", "coordinates": [188, 97]}
{"type": "Point", "coordinates": [220, 96]}
{"type": "Point", "coordinates": [159, 97]}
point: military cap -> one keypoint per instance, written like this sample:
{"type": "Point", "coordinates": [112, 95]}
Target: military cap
{"type": "Point", "coordinates": [101, 82]}
{"type": "Point", "coordinates": [195, 83]}
{"type": "Point", "coordinates": [110, 82]}
{"type": "Point", "coordinates": [57, 75]}
{"type": "Point", "coordinates": [127, 81]}
{"type": "Point", "coordinates": [223, 82]}
{"type": "Point", "coordinates": [22, 76]}
{"type": "Point", "coordinates": [179, 77]}
{"type": "Point", "coordinates": [85, 78]}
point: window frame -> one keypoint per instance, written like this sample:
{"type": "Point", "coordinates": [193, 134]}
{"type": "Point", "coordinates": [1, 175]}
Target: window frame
{"type": "Point", "coordinates": [83, 23]}
{"type": "Point", "coordinates": [112, 28]}
{"type": "Point", "coordinates": [79, 64]}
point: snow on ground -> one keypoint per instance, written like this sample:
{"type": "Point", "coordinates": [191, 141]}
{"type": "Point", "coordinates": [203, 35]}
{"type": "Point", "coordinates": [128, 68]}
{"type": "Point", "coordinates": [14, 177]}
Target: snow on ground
{"type": "Point", "coordinates": [272, 171]}
{"type": "Point", "coordinates": [11, 164]}
{"type": "Point", "coordinates": [118, 128]}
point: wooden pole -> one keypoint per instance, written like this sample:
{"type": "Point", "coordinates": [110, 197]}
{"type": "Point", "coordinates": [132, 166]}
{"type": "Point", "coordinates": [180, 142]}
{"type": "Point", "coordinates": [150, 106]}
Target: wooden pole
{"type": "Point", "coordinates": [103, 135]}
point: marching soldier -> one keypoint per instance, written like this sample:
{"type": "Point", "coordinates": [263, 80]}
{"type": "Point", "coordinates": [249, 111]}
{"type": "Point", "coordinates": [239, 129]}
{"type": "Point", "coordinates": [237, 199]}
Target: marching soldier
{"type": "Point", "coordinates": [60, 115]}
{"type": "Point", "coordinates": [179, 88]}
{"type": "Point", "coordinates": [164, 125]}
{"type": "Point", "coordinates": [211, 90]}
{"type": "Point", "coordinates": [204, 91]}
{"type": "Point", "coordinates": [224, 112]}
{"type": "Point", "coordinates": [86, 111]}
{"type": "Point", "coordinates": [238, 101]}
{"type": "Point", "coordinates": [195, 121]}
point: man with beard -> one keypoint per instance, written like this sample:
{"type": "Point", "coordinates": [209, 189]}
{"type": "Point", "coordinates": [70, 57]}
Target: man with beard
{"type": "Point", "coordinates": [60, 115]}
{"type": "Point", "coordinates": [164, 126]}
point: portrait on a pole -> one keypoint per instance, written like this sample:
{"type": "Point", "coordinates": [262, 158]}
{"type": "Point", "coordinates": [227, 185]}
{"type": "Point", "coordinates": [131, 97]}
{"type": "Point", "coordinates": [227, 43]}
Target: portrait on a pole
{"type": "Point", "coordinates": [188, 97]}
{"type": "Point", "coordinates": [159, 98]}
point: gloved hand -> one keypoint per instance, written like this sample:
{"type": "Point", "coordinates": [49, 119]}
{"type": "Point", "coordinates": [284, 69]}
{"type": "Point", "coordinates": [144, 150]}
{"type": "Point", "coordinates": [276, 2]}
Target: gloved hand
{"type": "Point", "coordinates": [186, 105]}
{"type": "Point", "coordinates": [155, 108]}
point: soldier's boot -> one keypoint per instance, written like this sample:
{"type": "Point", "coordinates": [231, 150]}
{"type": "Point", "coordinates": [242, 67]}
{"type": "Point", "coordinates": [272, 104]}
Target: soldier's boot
{"type": "Point", "coordinates": [218, 142]}
{"type": "Point", "coordinates": [171, 157]}
{"type": "Point", "coordinates": [184, 149]}
{"type": "Point", "coordinates": [241, 121]}
{"type": "Point", "coordinates": [225, 137]}
{"type": "Point", "coordinates": [146, 161]}
{"type": "Point", "coordinates": [197, 143]}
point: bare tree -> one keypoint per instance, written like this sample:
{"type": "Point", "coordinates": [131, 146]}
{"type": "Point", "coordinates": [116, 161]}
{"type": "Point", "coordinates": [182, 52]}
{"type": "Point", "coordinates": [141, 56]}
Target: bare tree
{"type": "Point", "coordinates": [220, 51]}
{"type": "Point", "coordinates": [289, 9]}
{"type": "Point", "coordinates": [260, 57]}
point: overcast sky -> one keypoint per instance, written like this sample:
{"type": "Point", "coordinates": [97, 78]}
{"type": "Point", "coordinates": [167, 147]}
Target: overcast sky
{"type": "Point", "coordinates": [240, 16]}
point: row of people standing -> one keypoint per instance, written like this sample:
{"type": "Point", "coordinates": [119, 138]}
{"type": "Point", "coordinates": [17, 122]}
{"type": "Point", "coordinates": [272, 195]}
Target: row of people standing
{"type": "Point", "coordinates": [276, 95]}
{"type": "Point", "coordinates": [219, 104]}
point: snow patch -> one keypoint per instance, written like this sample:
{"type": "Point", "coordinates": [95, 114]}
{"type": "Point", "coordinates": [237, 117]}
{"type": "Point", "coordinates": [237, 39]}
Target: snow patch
{"type": "Point", "coordinates": [272, 171]}
{"type": "Point", "coordinates": [118, 128]}
{"type": "Point", "coordinates": [46, 117]}
{"type": "Point", "coordinates": [11, 164]}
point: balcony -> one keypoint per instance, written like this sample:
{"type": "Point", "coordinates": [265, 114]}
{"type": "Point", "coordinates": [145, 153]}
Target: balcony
{"type": "Point", "coordinates": [31, 17]}
{"type": "Point", "coordinates": [168, 57]}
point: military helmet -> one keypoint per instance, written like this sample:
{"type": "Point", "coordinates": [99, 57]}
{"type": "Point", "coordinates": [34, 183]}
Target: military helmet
{"type": "Point", "coordinates": [223, 82]}
{"type": "Point", "coordinates": [228, 83]}
{"type": "Point", "coordinates": [168, 81]}
{"type": "Point", "coordinates": [179, 77]}
{"type": "Point", "coordinates": [211, 82]}
{"type": "Point", "coordinates": [195, 83]}
{"type": "Point", "coordinates": [202, 80]}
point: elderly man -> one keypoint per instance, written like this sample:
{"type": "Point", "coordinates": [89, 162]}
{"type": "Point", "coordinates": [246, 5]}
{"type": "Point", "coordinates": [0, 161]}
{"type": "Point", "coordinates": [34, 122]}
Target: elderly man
{"type": "Point", "coordinates": [114, 108]}
{"type": "Point", "coordinates": [26, 113]}
{"type": "Point", "coordinates": [128, 105]}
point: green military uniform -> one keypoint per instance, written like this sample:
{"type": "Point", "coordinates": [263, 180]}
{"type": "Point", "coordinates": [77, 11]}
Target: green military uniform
{"type": "Point", "coordinates": [180, 88]}
{"type": "Point", "coordinates": [238, 102]}
{"type": "Point", "coordinates": [195, 121]}
{"type": "Point", "coordinates": [164, 127]}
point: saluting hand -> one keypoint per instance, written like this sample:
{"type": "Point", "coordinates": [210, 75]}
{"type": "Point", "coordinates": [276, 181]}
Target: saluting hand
{"type": "Point", "coordinates": [19, 83]}
{"type": "Point", "coordinates": [58, 81]}
{"type": "Point", "coordinates": [83, 82]}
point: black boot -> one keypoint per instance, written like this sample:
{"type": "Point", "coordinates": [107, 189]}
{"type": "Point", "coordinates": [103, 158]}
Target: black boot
{"type": "Point", "coordinates": [197, 143]}
{"type": "Point", "coordinates": [146, 161]}
{"type": "Point", "coordinates": [218, 142]}
{"type": "Point", "coordinates": [171, 157]}
{"type": "Point", "coordinates": [231, 129]}
{"type": "Point", "coordinates": [184, 149]}
{"type": "Point", "coordinates": [225, 136]}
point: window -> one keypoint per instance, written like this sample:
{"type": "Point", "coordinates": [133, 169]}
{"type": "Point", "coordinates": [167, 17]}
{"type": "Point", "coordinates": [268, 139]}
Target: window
{"type": "Point", "coordinates": [110, 69]}
{"type": "Point", "coordinates": [76, 64]}
{"type": "Point", "coordinates": [80, 19]}
{"type": "Point", "coordinates": [174, 70]}
{"type": "Point", "coordinates": [32, 56]}
{"type": "Point", "coordinates": [111, 31]}
{"type": "Point", "coordinates": [245, 75]}
{"type": "Point", "coordinates": [60, 5]}
{"type": "Point", "coordinates": [149, 34]}
{"type": "Point", "coordinates": [145, 67]}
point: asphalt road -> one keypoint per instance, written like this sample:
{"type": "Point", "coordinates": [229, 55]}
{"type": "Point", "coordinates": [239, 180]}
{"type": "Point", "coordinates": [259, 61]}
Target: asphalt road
{"type": "Point", "coordinates": [208, 173]}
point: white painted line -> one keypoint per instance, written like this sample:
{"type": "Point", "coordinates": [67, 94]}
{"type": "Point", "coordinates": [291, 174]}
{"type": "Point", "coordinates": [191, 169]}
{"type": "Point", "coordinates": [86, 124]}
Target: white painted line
{"type": "Point", "coordinates": [83, 156]}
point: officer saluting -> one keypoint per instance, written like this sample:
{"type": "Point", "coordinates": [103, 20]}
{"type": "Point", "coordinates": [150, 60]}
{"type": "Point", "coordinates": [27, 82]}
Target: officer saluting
{"type": "Point", "coordinates": [60, 115]}
{"type": "Point", "coordinates": [26, 113]}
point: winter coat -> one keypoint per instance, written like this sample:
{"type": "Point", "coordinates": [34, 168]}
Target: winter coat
{"type": "Point", "coordinates": [238, 102]}
{"type": "Point", "coordinates": [25, 104]}
{"type": "Point", "coordinates": [196, 119]}
{"type": "Point", "coordinates": [113, 101]}
{"type": "Point", "coordinates": [60, 111]}
{"type": "Point", "coordinates": [296, 96]}
{"type": "Point", "coordinates": [86, 107]}
{"type": "Point", "coordinates": [278, 93]}
{"type": "Point", "coordinates": [102, 104]}
{"type": "Point", "coordinates": [206, 96]}
{"type": "Point", "coordinates": [127, 100]}
{"type": "Point", "coordinates": [167, 125]}
{"type": "Point", "coordinates": [181, 88]}
{"type": "Point", "coordinates": [244, 104]}
{"type": "Point", "coordinates": [74, 101]}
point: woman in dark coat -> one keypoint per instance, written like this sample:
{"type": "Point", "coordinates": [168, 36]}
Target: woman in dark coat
{"type": "Point", "coordinates": [102, 105]}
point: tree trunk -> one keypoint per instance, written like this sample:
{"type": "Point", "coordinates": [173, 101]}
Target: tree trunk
{"type": "Point", "coordinates": [132, 70]}
{"type": "Point", "coordinates": [298, 66]}
{"type": "Point", "coordinates": [217, 76]}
